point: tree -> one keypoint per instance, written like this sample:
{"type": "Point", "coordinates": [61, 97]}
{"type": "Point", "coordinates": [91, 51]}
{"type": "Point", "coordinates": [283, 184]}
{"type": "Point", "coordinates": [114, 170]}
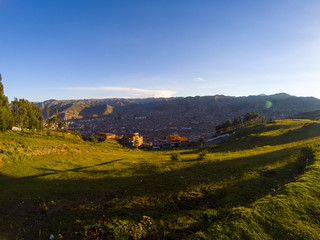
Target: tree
{"type": "Point", "coordinates": [224, 127]}
{"type": "Point", "coordinates": [47, 117]}
{"type": "Point", "coordinates": [26, 114]}
{"type": "Point", "coordinates": [57, 121]}
{"type": "Point", "coordinates": [262, 119]}
{"type": "Point", "coordinates": [6, 118]}
{"type": "Point", "coordinates": [237, 122]}
{"type": "Point", "coordinates": [61, 125]}
{"type": "Point", "coordinates": [16, 112]}
{"type": "Point", "coordinates": [55, 116]}
{"type": "Point", "coordinates": [136, 142]}
{"type": "Point", "coordinates": [250, 118]}
{"type": "Point", "coordinates": [228, 123]}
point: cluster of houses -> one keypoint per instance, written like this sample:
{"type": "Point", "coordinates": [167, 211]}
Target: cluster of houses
{"type": "Point", "coordinates": [175, 140]}
{"type": "Point", "coordinates": [129, 140]}
{"type": "Point", "coordinates": [101, 137]}
{"type": "Point", "coordinates": [136, 140]}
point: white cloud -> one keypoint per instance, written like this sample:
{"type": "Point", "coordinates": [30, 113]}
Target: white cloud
{"type": "Point", "coordinates": [128, 92]}
{"type": "Point", "coordinates": [198, 79]}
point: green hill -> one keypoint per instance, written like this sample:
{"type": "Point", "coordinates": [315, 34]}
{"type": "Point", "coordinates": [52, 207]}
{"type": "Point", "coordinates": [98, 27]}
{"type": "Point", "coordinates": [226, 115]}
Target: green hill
{"type": "Point", "coordinates": [256, 185]}
{"type": "Point", "coordinates": [314, 115]}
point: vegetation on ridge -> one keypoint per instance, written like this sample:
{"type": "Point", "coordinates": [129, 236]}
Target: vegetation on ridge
{"type": "Point", "coordinates": [6, 118]}
{"type": "Point", "coordinates": [20, 113]}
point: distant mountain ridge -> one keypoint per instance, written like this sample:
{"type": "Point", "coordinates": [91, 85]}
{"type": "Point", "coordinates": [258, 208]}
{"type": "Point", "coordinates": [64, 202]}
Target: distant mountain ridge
{"type": "Point", "coordinates": [272, 106]}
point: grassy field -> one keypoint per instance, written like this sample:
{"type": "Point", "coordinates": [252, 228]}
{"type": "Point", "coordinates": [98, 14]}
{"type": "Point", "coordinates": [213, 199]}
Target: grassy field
{"type": "Point", "coordinates": [256, 185]}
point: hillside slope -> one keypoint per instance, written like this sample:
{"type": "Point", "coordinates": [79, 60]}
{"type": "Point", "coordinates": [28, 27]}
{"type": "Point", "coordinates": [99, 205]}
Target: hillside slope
{"type": "Point", "coordinates": [218, 106]}
{"type": "Point", "coordinates": [253, 186]}
{"type": "Point", "coordinates": [314, 115]}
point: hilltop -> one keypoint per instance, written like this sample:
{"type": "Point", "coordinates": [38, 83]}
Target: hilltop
{"type": "Point", "coordinates": [261, 183]}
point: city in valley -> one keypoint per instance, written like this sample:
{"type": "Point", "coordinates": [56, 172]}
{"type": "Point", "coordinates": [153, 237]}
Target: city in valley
{"type": "Point", "coordinates": [193, 118]}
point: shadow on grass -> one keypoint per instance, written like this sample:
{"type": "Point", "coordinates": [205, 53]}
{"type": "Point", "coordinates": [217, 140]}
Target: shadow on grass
{"type": "Point", "coordinates": [243, 140]}
{"type": "Point", "coordinates": [57, 204]}
{"type": "Point", "coordinates": [247, 140]}
{"type": "Point", "coordinates": [55, 171]}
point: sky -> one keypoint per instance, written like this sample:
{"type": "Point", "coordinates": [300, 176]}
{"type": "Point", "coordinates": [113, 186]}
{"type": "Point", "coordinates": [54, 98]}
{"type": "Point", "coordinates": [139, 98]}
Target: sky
{"type": "Point", "coordinates": [71, 49]}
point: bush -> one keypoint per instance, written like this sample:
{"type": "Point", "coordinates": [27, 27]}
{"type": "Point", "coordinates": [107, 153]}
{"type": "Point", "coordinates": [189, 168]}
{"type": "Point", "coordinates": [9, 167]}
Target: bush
{"type": "Point", "coordinates": [142, 230]}
{"type": "Point", "coordinates": [94, 140]}
{"type": "Point", "coordinates": [306, 155]}
{"type": "Point", "coordinates": [203, 153]}
{"type": "Point", "coordinates": [308, 152]}
{"type": "Point", "coordinates": [175, 156]}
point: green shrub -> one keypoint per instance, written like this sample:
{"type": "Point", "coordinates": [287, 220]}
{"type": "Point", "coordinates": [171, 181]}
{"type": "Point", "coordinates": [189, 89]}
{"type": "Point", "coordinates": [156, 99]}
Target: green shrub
{"type": "Point", "coordinates": [130, 230]}
{"type": "Point", "coordinates": [94, 140]}
{"type": "Point", "coordinates": [203, 153]}
{"type": "Point", "coordinates": [175, 156]}
{"type": "Point", "coordinates": [306, 155]}
{"type": "Point", "coordinates": [308, 152]}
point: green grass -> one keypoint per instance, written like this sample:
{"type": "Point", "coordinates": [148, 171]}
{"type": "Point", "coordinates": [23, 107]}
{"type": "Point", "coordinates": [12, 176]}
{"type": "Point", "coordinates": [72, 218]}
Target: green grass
{"type": "Point", "coordinates": [250, 187]}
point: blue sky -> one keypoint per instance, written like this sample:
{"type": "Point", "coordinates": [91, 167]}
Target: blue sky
{"type": "Point", "coordinates": [58, 49]}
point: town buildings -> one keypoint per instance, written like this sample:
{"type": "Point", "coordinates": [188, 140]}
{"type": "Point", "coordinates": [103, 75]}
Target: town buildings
{"type": "Point", "coordinates": [106, 136]}
{"type": "Point", "coordinates": [132, 140]}
{"type": "Point", "coordinates": [177, 141]}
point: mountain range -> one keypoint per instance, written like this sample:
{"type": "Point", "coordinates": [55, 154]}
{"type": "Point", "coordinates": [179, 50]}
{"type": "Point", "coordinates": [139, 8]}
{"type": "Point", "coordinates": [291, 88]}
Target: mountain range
{"type": "Point", "coordinates": [219, 106]}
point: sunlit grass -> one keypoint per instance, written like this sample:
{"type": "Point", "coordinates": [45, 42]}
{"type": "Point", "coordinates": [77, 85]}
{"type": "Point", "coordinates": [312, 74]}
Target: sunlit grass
{"type": "Point", "coordinates": [59, 184]}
